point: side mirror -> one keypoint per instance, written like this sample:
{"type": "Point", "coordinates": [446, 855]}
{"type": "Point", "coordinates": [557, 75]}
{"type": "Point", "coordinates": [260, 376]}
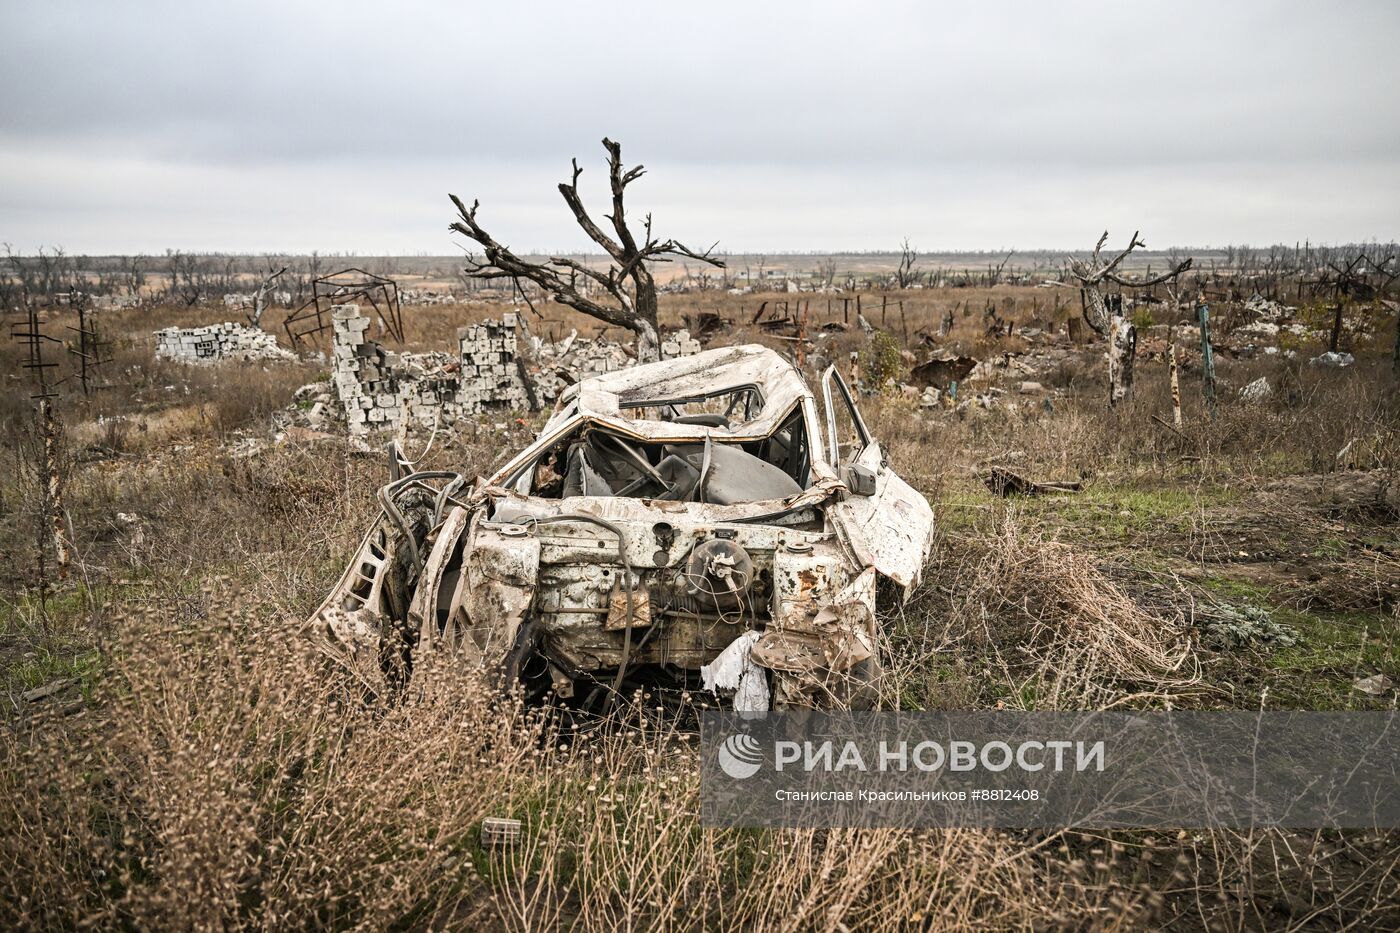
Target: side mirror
{"type": "Point", "coordinates": [860, 480]}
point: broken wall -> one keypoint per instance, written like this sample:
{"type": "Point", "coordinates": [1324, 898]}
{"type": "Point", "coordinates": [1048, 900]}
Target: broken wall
{"type": "Point", "coordinates": [378, 389]}
{"type": "Point", "coordinates": [217, 342]}
{"type": "Point", "coordinates": [490, 365]}
{"type": "Point", "coordinates": [498, 365]}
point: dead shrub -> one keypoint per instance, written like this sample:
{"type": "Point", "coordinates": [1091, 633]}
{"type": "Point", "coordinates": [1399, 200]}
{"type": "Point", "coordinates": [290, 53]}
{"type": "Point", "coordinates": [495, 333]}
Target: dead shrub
{"type": "Point", "coordinates": [1061, 633]}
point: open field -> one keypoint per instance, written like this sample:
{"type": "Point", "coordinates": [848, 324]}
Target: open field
{"type": "Point", "coordinates": [191, 763]}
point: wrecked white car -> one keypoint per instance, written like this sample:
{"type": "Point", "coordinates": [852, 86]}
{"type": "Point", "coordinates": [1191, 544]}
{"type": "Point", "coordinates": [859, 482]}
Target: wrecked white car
{"type": "Point", "coordinates": [699, 522]}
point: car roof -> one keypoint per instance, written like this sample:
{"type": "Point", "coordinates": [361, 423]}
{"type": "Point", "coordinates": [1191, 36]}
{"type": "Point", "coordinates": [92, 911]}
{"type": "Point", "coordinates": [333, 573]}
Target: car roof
{"type": "Point", "coordinates": [708, 373]}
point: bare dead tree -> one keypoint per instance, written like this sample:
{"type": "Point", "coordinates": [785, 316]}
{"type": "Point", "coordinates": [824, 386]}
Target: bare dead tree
{"type": "Point", "coordinates": [133, 275]}
{"type": "Point", "coordinates": [1107, 319]}
{"type": "Point", "coordinates": [260, 294]}
{"type": "Point", "coordinates": [905, 276]}
{"type": "Point", "coordinates": [625, 294]}
{"type": "Point", "coordinates": [994, 273]}
{"type": "Point", "coordinates": [187, 277]}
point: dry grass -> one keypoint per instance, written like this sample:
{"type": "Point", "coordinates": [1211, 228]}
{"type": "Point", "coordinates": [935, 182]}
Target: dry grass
{"type": "Point", "coordinates": [1061, 634]}
{"type": "Point", "coordinates": [225, 777]}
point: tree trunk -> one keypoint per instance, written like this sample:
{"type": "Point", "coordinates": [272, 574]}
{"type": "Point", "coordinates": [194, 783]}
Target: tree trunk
{"type": "Point", "coordinates": [645, 326]}
{"type": "Point", "coordinates": [1176, 382]}
{"type": "Point", "coordinates": [1122, 346]}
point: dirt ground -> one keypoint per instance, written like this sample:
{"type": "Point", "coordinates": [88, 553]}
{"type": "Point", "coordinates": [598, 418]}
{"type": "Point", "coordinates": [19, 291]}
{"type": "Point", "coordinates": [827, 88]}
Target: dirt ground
{"type": "Point", "coordinates": [173, 757]}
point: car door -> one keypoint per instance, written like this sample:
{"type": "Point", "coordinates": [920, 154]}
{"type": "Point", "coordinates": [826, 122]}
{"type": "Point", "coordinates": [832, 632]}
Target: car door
{"type": "Point", "coordinates": [884, 521]}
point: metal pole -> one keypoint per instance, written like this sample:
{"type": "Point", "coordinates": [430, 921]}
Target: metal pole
{"type": "Point", "coordinates": [1207, 358]}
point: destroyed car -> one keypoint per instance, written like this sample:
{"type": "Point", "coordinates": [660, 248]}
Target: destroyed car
{"type": "Point", "coordinates": [697, 521]}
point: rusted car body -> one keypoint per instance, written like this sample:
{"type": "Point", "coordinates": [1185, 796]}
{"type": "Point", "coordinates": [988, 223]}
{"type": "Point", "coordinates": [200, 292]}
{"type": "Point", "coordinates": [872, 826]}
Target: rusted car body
{"type": "Point", "coordinates": [705, 519]}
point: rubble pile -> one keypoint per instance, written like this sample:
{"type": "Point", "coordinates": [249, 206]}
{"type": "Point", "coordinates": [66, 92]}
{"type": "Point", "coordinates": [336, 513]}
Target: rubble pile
{"type": "Point", "coordinates": [379, 389]}
{"type": "Point", "coordinates": [499, 365]}
{"type": "Point", "coordinates": [218, 342]}
{"type": "Point", "coordinates": [116, 302]}
{"type": "Point", "coordinates": [238, 301]}
{"type": "Point", "coordinates": [423, 296]}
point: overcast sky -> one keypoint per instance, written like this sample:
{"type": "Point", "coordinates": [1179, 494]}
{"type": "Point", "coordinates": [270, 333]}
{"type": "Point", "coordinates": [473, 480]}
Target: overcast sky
{"type": "Point", "coordinates": [138, 126]}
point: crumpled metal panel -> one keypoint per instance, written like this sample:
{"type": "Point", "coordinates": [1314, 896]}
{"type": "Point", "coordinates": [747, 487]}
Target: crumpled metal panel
{"type": "Point", "coordinates": [734, 673]}
{"type": "Point", "coordinates": [891, 531]}
{"type": "Point", "coordinates": [780, 384]}
{"type": "Point", "coordinates": [348, 625]}
{"type": "Point", "coordinates": [422, 611]}
{"type": "Point", "coordinates": [821, 666]}
{"type": "Point", "coordinates": [823, 613]}
{"type": "Point", "coordinates": [501, 565]}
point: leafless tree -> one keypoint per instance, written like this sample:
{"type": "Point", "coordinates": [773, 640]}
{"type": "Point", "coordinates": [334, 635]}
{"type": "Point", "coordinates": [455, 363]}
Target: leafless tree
{"type": "Point", "coordinates": [12, 289]}
{"type": "Point", "coordinates": [260, 294]}
{"type": "Point", "coordinates": [905, 276]}
{"type": "Point", "coordinates": [994, 272]}
{"type": "Point", "coordinates": [628, 291]}
{"type": "Point", "coordinates": [1107, 319]}
{"type": "Point", "coordinates": [725, 281]}
{"type": "Point", "coordinates": [133, 275]}
{"type": "Point", "coordinates": [826, 271]}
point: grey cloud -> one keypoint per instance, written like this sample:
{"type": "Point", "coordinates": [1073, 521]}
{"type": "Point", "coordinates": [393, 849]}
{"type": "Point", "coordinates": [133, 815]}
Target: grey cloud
{"type": "Point", "coordinates": [861, 108]}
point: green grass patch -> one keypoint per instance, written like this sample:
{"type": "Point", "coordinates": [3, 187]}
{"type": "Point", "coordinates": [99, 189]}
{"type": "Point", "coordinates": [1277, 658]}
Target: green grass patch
{"type": "Point", "coordinates": [1122, 514]}
{"type": "Point", "coordinates": [1332, 652]}
{"type": "Point", "coordinates": [45, 665]}
{"type": "Point", "coordinates": [1234, 590]}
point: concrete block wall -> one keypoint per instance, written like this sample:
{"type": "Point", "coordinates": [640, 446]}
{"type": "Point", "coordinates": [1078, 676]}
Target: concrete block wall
{"type": "Point", "coordinates": [379, 390]}
{"type": "Point", "coordinates": [218, 342]}
{"type": "Point", "coordinates": [490, 370]}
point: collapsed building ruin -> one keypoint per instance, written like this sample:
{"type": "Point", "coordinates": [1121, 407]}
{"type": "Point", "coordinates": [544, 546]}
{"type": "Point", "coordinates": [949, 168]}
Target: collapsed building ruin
{"type": "Point", "coordinates": [217, 342]}
{"type": "Point", "coordinates": [498, 365]}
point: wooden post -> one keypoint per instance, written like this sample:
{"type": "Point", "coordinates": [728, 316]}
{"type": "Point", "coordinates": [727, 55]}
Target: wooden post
{"type": "Point", "coordinates": [800, 346]}
{"type": "Point", "coordinates": [1176, 383]}
{"type": "Point", "coordinates": [1336, 337]}
{"type": "Point", "coordinates": [884, 308]}
{"type": "Point", "coordinates": [903, 323]}
{"type": "Point", "coordinates": [1207, 358]}
{"type": "Point", "coordinates": [75, 299]}
{"type": "Point", "coordinates": [52, 499]}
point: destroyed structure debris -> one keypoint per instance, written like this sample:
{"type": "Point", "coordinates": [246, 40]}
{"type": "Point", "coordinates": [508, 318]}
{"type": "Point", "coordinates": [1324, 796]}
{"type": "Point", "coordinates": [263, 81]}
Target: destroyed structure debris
{"type": "Point", "coordinates": [942, 370]}
{"type": "Point", "coordinates": [218, 342]}
{"type": "Point", "coordinates": [691, 522]}
{"type": "Point", "coordinates": [497, 365]}
{"type": "Point", "coordinates": [1003, 482]}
